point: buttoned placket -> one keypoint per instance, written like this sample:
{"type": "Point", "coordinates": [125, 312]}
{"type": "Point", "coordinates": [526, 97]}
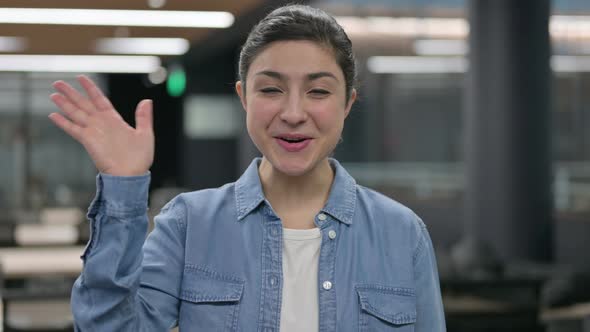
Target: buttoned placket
{"type": "Point", "coordinates": [326, 272]}
{"type": "Point", "coordinates": [272, 272]}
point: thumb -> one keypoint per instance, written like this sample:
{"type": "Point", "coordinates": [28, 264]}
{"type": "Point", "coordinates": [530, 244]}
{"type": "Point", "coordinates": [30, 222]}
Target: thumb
{"type": "Point", "coordinates": [144, 115]}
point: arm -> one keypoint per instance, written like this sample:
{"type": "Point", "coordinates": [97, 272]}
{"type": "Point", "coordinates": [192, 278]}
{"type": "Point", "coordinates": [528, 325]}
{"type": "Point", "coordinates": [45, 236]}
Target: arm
{"type": "Point", "coordinates": [122, 286]}
{"type": "Point", "coordinates": [429, 307]}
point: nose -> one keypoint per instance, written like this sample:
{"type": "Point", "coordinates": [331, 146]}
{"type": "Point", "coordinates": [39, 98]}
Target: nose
{"type": "Point", "coordinates": [293, 112]}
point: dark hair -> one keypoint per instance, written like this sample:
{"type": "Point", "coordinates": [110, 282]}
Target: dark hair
{"type": "Point", "coordinates": [300, 22]}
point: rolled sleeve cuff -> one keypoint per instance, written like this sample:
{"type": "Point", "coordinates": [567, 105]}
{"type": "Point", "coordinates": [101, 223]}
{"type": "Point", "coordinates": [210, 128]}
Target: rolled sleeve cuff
{"type": "Point", "coordinates": [120, 196]}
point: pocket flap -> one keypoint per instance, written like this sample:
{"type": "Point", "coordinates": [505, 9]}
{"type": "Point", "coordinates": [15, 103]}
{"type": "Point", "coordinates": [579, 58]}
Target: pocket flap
{"type": "Point", "coordinates": [204, 285]}
{"type": "Point", "coordinates": [396, 305]}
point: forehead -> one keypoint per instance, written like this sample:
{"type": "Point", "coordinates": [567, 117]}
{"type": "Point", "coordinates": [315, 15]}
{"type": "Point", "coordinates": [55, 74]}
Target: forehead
{"type": "Point", "coordinates": [295, 59]}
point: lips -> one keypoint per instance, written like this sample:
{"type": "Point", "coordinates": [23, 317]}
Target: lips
{"type": "Point", "coordinates": [293, 142]}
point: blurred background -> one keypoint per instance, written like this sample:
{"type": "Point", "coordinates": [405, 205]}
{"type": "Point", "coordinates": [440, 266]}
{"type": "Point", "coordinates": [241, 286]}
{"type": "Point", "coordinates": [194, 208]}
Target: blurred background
{"type": "Point", "coordinates": [474, 113]}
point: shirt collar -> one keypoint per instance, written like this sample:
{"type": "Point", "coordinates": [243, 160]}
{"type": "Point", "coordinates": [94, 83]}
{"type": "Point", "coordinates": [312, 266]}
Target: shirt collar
{"type": "Point", "coordinates": [341, 201]}
{"type": "Point", "coordinates": [249, 192]}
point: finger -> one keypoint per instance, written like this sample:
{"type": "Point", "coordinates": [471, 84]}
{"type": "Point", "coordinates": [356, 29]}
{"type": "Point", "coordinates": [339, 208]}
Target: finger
{"type": "Point", "coordinates": [74, 96]}
{"type": "Point", "coordinates": [75, 114]}
{"type": "Point", "coordinates": [66, 125]}
{"type": "Point", "coordinates": [144, 116]}
{"type": "Point", "coordinates": [101, 102]}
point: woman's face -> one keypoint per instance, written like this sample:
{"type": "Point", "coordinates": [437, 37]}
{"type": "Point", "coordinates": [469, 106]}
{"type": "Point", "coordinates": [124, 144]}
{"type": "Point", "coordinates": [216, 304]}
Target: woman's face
{"type": "Point", "coordinates": [296, 104]}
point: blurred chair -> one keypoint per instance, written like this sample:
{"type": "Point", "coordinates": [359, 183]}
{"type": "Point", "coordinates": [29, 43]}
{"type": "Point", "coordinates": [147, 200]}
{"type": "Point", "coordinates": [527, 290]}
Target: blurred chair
{"type": "Point", "coordinates": [566, 302]}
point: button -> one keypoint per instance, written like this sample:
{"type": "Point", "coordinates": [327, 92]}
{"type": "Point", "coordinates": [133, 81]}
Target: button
{"type": "Point", "coordinates": [274, 231]}
{"type": "Point", "coordinates": [273, 281]}
{"type": "Point", "coordinates": [322, 217]}
{"type": "Point", "coordinates": [327, 285]}
{"type": "Point", "coordinates": [332, 234]}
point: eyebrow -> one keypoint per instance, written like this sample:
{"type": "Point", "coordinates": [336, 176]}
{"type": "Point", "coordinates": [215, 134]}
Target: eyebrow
{"type": "Point", "coordinates": [310, 77]}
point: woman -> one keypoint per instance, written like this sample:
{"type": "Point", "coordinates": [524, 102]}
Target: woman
{"type": "Point", "coordinates": [293, 245]}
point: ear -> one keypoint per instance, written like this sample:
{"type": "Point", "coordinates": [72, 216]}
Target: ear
{"type": "Point", "coordinates": [350, 102]}
{"type": "Point", "coordinates": [241, 93]}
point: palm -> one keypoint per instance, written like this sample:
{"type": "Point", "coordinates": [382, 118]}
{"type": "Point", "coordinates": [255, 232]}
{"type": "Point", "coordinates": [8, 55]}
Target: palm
{"type": "Point", "coordinates": [115, 147]}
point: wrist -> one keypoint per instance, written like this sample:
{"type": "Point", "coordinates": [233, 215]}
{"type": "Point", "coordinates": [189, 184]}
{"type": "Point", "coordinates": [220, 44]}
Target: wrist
{"type": "Point", "coordinates": [125, 173]}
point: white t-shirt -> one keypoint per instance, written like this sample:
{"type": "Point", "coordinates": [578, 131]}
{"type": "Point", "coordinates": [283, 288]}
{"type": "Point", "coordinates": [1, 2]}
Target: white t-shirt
{"type": "Point", "coordinates": [300, 304]}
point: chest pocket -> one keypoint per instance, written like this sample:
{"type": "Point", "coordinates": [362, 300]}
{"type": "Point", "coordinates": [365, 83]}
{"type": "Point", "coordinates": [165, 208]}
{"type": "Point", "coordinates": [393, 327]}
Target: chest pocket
{"type": "Point", "coordinates": [383, 308]}
{"type": "Point", "coordinates": [210, 300]}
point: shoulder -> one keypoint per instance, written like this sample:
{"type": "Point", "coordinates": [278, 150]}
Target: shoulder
{"type": "Point", "coordinates": [391, 222]}
{"type": "Point", "coordinates": [387, 211]}
{"type": "Point", "coordinates": [198, 202]}
{"type": "Point", "coordinates": [209, 195]}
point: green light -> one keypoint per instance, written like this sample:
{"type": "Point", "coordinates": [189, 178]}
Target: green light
{"type": "Point", "coordinates": [176, 83]}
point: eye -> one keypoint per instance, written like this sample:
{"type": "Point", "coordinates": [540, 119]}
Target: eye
{"type": "Point", "coordinates": [270, 90]}
{"type": "Point", "coordinates": [319, 92]}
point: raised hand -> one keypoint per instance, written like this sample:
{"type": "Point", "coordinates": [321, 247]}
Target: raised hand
{"type": "Point", "coordinates": [115, 147]}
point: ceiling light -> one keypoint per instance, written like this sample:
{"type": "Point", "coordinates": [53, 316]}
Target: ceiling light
{"type": "Point", "coordinates": [108, 17]}
{"type": "Point", "coordinates": [440, 47]}
{"type": "Point", "coordinates": [416, 65]}
{"type": "Point", "coordinates": [573, 26]}
{"type": "Point", "coordinates": [560, 26]}
{"type": "Point", "coordinates": [428, 27]}
{"type": "Point", "coordinates": [163, 46]}
{"type": "Point", "coordinates": [570, 63]}
{"type": "Point", "coordinates": [443, 65]}
{"type": "Point", "coordinates": [12, 44]}
{"type": "Point", "coordinates": [79, 63]}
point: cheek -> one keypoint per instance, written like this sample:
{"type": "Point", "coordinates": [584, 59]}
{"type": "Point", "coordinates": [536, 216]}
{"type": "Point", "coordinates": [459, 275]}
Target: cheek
{"type": "Point", "coordinates": [258, 117]}
{"type": "Point", "coordinates": [259, 114]}
{"type": "Point", "coordinates": [329, 119]}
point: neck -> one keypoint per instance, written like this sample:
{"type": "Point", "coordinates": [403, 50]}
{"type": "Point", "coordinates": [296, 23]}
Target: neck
{"type": "Point", "coordinates": [289, 193]}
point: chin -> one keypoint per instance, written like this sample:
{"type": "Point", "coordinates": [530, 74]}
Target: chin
{"type": "Point", "coordinates": [292, 167]}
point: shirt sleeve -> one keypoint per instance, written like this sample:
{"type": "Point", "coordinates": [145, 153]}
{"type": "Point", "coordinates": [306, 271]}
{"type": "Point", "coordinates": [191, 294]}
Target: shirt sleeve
{"type": "Point", "coordinates": [429, 306]}
{"type": "Point", "coordinates": [129, 283]}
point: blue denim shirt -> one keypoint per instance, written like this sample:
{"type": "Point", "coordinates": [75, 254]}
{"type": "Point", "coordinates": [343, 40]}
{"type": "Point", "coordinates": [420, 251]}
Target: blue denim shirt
{"type": "Point", "coordinates": [213, 261]}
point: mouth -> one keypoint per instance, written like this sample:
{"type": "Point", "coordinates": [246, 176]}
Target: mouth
{"type": "Point", "coordinates": [293, 143]}
{"type": "Point", "coordinates": [292, 140]}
